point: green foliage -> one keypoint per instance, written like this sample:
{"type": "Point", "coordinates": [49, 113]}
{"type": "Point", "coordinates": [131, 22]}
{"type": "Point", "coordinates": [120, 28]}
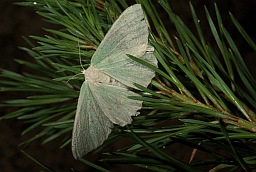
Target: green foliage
{"type": "Point", "coordinates": [196, 86]}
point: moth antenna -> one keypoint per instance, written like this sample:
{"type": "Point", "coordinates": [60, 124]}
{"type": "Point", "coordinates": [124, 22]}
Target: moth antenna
{"type": "Point", "coordinates": [79, 53]}
{"type": "Point", "coordinates": [80, 61]}
{"type": "Point", "coordinates": [73, 77]}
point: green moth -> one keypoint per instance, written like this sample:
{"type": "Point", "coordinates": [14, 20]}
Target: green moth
{"type": "Point", "coordinates": [103, 99]}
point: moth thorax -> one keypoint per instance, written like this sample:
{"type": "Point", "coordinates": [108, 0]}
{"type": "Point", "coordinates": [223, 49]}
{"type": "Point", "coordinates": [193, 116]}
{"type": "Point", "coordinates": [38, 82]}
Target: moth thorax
{"type": "Point", "coordinates": [94, 75]}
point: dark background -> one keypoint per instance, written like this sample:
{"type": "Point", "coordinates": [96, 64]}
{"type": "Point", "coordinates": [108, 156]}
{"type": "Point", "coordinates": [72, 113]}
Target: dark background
{"type": "Point", "coordinates": [17, 21]}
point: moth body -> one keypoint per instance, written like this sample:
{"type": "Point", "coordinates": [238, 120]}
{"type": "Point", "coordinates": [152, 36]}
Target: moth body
{"type": "Point", "coordinates": [96, 76]}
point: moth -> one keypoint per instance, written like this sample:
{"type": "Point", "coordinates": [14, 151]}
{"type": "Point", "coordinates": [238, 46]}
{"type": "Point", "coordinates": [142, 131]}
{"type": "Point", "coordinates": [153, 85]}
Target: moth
{"type": "Point", "coordinates": [103, 99]}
